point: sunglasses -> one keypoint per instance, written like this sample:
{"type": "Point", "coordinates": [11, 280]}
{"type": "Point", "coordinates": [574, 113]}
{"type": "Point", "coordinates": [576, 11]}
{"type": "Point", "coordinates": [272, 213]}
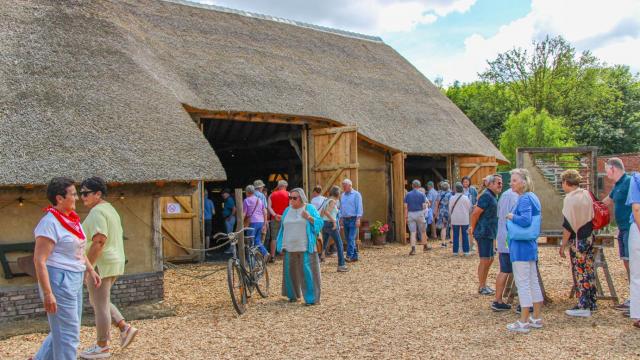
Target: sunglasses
{"type": "Point", "coordinates": [86, 193]}
{"type": "Point", "coordinates": [294, 197]}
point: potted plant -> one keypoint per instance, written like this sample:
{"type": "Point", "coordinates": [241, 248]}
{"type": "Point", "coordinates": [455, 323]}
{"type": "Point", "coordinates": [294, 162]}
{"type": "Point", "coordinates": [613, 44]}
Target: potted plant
{"type": "Point", "coordinates": [379, 232]}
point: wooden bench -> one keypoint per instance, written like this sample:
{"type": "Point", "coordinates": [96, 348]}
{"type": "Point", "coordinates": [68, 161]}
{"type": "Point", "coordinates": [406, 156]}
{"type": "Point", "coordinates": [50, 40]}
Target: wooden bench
{"type": "Point", "coordinates": [7, 248]}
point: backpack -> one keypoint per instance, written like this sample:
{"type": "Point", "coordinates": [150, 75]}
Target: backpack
{"type": "Point", "coordinates": [601, 216]}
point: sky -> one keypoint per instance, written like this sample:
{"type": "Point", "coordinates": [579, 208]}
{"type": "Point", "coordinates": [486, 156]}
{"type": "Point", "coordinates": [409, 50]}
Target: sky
{"type": "Point", "coordinates": [454, 39]}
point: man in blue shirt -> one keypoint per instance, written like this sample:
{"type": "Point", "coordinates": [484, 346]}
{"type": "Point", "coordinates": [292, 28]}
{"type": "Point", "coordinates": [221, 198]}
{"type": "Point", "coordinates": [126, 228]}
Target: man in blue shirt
{"type": "Point", "coordinates": [209, 211]}
{"type": "Point", "coordinates": [415, 202]}
{"type": "Point", "coordinates": [484, 227]}
{"type": "Point", "coordinates": [228, 210]}
{"type": "Point", "coordinates": [618, 198]}
{"type": "Point", "coordinates": [350, 213]}
{"type": "Point", "coordinates": [633, 200]}
{"type": "Point", "coordinates": [432, 196]}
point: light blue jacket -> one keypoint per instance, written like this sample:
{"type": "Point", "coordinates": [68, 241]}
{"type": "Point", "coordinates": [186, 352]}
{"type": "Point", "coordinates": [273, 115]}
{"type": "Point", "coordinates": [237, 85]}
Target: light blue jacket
{"type": "Point", "coordinates": [312, 230]}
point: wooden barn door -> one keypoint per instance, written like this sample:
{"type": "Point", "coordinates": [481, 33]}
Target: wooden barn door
{"type": "Point", "coordinates": [476, 167]}
{"type": "Point", "coordinates": [333, 156]}
{"type": "Point", "coordinates": [180, 227]}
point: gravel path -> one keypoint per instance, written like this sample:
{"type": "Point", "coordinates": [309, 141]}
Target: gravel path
{"type": "Point", "coordinates": [389, 306]}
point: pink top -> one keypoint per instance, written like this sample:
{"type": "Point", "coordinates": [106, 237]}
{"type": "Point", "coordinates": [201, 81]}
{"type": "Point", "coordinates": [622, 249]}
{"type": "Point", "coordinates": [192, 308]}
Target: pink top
{"type": "Point", "coordinates": [253, 207]}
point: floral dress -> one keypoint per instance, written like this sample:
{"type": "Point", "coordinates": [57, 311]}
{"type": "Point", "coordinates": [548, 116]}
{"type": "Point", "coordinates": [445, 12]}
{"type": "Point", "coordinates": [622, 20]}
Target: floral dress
{"type": "Point", "coordinates": [443, 209]}
{"type": "Point", "coordinates": [582, 258]}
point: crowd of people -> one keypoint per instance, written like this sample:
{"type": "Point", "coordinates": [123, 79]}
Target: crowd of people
{"type": "Point", "coordinates": [508, 223]}
{"type": "Point", "coordinates": [285, 223]}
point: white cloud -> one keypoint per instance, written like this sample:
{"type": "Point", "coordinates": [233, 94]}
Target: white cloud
{"type": "Point", "coordinates": [611, 30]}
{"type": "Point", "coordinates": [366, 16]}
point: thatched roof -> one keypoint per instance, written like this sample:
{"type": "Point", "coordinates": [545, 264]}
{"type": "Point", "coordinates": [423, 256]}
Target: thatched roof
{"type": "Point", "coordinates": [98, 87]}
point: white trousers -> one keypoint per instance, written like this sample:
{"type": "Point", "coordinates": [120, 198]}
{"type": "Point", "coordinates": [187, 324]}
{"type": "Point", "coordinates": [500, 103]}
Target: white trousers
{"type": "Point", "coordinates": [634, 270]}
{"type": "Point", "coordinates": [526, 275]}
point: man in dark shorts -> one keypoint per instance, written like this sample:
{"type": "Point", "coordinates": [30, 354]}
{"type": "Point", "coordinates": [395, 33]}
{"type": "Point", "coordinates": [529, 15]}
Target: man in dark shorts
{"type": "Point", "coordinates": [618, 198]}
{"type": "Point", "coordinates": [484, 227]}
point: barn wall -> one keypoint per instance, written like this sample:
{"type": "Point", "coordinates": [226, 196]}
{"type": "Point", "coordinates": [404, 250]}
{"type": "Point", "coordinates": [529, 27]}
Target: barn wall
{"type": "Point", "coordinates": [17, 224]}
{"type": "Point", "coordinates": [373, 178]}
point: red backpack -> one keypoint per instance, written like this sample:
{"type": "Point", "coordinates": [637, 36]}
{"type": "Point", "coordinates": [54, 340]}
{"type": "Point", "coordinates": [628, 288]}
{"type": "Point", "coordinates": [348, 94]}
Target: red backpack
{"type": "Point", "coordinates": [601, 216]}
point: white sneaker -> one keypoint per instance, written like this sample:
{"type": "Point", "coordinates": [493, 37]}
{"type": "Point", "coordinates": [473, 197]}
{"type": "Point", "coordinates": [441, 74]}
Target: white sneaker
{"type": "Point", "coordinates": [96, 352]}
{"type": "Point", "coordinates": [578, 312]}
{"type": "Point", "coordinates": [535, 323]}
{"type": "Point", "coordinates": [127, 336]}
{"type": "Point", "coordinates": [519, 327]}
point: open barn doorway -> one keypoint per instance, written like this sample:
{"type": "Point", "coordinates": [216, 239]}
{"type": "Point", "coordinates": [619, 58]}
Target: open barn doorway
{"type": "Point", "coordinates": [253, 150]}
{"type": "Point", "coordinates": [425, 169]}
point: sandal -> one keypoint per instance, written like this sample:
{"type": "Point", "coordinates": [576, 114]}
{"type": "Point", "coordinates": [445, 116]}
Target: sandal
{"type": "Point", "coordinates": [637, 324]}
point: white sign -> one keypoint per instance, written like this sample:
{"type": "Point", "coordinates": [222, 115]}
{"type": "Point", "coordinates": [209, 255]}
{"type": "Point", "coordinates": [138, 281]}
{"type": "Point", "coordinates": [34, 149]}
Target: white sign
{"type": "Point", "coordinates": [173, 208]}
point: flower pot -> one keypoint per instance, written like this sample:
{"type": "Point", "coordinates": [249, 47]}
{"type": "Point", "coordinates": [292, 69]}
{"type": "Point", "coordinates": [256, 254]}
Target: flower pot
{"type": "Point", "coordinates": [379, 239]}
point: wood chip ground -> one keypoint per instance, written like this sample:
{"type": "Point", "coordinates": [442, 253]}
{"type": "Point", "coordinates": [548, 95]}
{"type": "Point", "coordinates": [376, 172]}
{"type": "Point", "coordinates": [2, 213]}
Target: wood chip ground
{"type": "Point", "coordinates": [389, 306]}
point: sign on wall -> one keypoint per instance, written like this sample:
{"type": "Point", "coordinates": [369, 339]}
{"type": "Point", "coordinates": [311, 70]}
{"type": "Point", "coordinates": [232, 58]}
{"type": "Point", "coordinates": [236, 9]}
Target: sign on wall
{"type": "Point", "coordinates": [173, 208]}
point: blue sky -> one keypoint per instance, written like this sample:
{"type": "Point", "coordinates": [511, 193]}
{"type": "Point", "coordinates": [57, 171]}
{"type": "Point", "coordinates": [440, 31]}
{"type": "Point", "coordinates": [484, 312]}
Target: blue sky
{"type": "Point", "coordinates": [454, 39]}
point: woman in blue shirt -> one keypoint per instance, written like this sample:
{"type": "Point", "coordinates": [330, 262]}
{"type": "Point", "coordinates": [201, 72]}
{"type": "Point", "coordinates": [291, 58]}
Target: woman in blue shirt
{"type": "Point", "coordinates": [523, 250]}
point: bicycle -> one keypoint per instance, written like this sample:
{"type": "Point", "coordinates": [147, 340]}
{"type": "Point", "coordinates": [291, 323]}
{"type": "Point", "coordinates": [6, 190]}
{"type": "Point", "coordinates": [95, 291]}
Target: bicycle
{"type": "Point", "coordinates": [242, 281]}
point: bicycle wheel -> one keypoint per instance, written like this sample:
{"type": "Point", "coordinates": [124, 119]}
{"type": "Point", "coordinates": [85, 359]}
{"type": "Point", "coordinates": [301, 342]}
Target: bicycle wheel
{"type": "Point", "coordinates": [260, 275]}
{"type": "Point", "coordinates": [237, 288]}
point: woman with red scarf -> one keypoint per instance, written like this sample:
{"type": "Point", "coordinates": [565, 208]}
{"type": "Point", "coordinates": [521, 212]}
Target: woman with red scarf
{"type": "Point", "coordinates": [61, 265]}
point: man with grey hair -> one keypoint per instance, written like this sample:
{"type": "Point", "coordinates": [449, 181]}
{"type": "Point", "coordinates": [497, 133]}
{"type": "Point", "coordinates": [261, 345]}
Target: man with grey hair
{"type": "Point", "coordinates": [415, 202]}
{"type": "Point", "coordinates": [278, 201]}
{"type": "Point", "coordinates": [350, 213]}
{"type": "Point", "coordinates": [618, 198]}
{"type": "Point", "coordinates": [484, 227]}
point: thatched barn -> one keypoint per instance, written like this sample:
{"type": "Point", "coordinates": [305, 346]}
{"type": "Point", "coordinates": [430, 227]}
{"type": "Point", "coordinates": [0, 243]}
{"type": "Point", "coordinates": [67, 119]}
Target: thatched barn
{"type": "Point", "coordinates": [167, 98]}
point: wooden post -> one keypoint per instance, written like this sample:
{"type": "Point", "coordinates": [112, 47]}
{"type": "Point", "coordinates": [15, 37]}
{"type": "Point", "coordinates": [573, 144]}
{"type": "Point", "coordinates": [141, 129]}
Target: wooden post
{"type": "Point", "coordinates": [157, 233]}
{"type": "Point", "coordinates": [240, 225]}
{"type": "Point", "coordinates": [400, 225]}
{"type": "Point", "coordinates": [305, 160]}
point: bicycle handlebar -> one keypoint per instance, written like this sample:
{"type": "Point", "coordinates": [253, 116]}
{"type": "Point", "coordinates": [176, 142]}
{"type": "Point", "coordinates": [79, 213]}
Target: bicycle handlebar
{"type": "Point", "coordinates": [233, 236]}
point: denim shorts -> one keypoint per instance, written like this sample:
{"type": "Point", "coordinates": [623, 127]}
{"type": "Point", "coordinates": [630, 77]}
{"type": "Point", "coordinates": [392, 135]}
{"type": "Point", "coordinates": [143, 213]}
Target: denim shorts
{"type": "Point", "coordinates": [485, 248]}
{"type": "Point", "coordinates": [623, 244]}
{"type": "Point", "coordinates": [505, 263]}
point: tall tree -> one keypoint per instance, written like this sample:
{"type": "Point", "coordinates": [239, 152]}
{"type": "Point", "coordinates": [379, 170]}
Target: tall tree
{"type": "Point", "coordinates": [530, 128]}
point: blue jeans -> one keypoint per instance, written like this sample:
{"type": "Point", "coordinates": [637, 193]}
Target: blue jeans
{"type": "Point", "coordinates": [230, 223]}
{"type": "Point", "coordinates": [327, 232]}
{"type": "Point", "coordinates": [350, 233]}
{"type": "Point", "coordinates": [64, 336]}
{"type": "Point", "coordinates": [257, 236]}
{"type": "Point", "coordinates": [465, 238]}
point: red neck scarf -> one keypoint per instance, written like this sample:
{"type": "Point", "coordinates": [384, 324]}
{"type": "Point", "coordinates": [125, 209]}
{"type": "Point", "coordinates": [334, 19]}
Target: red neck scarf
{"type": "Point", "coordinates": [70, 222]}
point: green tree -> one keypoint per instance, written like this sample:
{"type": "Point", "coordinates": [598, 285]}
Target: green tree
{"type": "Point", "coordinates": [486, 104]}
{"type": "Point", "coordinates": [530, 128]}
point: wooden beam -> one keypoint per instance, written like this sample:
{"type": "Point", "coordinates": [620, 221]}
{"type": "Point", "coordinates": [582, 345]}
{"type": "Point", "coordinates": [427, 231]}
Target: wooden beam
{"type": "Point", "coordinates": [333, 130]}
{"type": "Point", "coordinates": [157, 234]}
{"type": "Point", "coordinates": [296, 148]}
{"type": "Point", "coordinates": [179, 216]}
{"type": "Point", "coordinates": [473, 165]}
{"type": "Point", "coordinates": [336, 167]}
{"type": "Point", "coordinates": [240, 225]}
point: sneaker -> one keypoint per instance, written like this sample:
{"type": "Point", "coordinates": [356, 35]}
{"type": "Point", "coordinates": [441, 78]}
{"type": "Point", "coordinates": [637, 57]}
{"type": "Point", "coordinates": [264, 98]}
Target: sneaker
{"type": "Point", "coordinates": [127, 336]}
{"type": "Point", "coordinates": [486, 291]}
{"type": "Point", "coordinates": [626, 313]}
{"type": "Point", "coordinates": [535, 323]}
{"type": "Point", "coordinates": [519, 327]}
{"type": "Point", "coordinates": [455, 254]}
{"type": "Point", "coordinates": [413, 251]}
{"type": "Point", "coordinates": [426, 248]}
{"type": "Point", "coordinates": [443, 245]}
{"type": "Point", "coordinates": [496, 306]}
{"type": "Point", "coordinates": [96, 352]}
{"type": "Point", "coordinates": [519, 309]}
{"type": "Point", "coordinates": [467, 254]}
{"type": "Point", "coordinates": [578, 312]}
{"type": "Point", "coordinates": [624, 306]}
{"type": "Point", "coordinates": [343, 268]}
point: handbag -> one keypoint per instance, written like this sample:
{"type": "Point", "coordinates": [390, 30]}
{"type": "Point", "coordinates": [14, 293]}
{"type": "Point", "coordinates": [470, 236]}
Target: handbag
{"type": "Point", "coordinates": [518, 233]}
